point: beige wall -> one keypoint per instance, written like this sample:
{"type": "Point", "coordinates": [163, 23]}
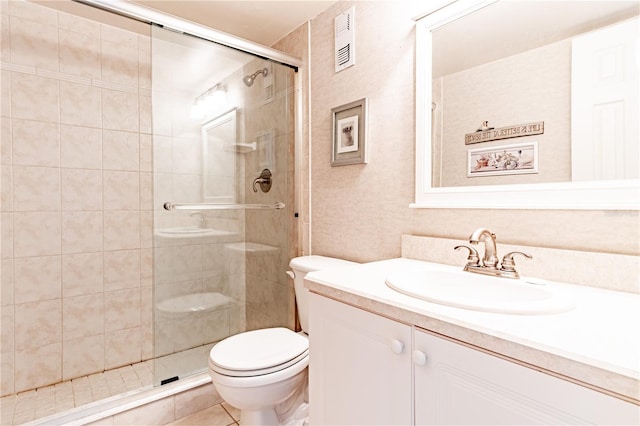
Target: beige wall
{"type": "Point", "coordinates": [359, 212]}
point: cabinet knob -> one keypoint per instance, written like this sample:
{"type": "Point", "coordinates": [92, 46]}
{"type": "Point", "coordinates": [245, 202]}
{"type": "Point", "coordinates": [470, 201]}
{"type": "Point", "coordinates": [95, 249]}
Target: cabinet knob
{"type": "Point", "coordinates": [397, 346]}
{"type": "Point", "coordinates": [419, 358]}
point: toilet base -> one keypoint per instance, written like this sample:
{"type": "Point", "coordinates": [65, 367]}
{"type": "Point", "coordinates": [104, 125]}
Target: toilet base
{"type": "Point", "coordinates": [265, 416]}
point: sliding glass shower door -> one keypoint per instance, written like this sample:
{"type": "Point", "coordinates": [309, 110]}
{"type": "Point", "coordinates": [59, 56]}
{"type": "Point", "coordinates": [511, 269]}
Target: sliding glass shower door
{"type": "Point", "coordinates": [223, 140]}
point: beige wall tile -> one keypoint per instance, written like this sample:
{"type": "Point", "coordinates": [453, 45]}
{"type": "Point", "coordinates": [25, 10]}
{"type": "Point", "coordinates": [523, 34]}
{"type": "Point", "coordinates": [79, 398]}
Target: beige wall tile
{"type": "Point", "coordinates": [120, 110]}
{"type": "Point", "coordinates": [38, 366]}
{"type": "Point", "coordinates": [122, 309]}
{"type": "Point", "coordinates": [37, 278]}
{"type": "Point", "coordinates": [82, 356]}
{"type": "Point", "coordinates": [82, 273]}
{"type": "Point", "coordinates": [5, 37]}
{"type": "Point", "coordinates": [83, 316]}
{"type": "Point", "coordinates": [121, 190]}
{"type": "Point", "coordinates": [81, 147]}
{"type": "Point", "coordinates": [120, 150]}
{"type": "Point", "coordinates": [6, 188]}
{"type": "Point", "coordinates": [122, 269]}
{"type": "Point", "coordinates": [80, 105]}
{"type": "Point", "coordinates": [7, 387]}
{"type": "Point", "coordinates": [35, 143]}
{"type": "Point", "coordinates": [121, 230]}
{"type": "Point", "coordinates": [6, 154]}
{"type": "Point", "coordinates": [146, 156]}
{"type": "Point", "coordinates": [5, 86]}
{"type": "Point", "coordinates": [7, 315]}
{"type": "Point", "coordinates": [36, 188]}
{"type": "Point", "coordinates": [33, 12]}
{"type": "Point", "coordinates": [79, 53]}
{"type": "Point", "coordinates": [146, 116]}
{"type": "Point", "coordinates": [34, 98]}
{"type": "Point", "coordinates": [162, 154]}
{"type": "Point", "coordinates": [122, 347]}
{"type": "Point", "coordinates": [6, 231]}
{"type": "Point", "coordinates": [119, 36]}
{"type": "Point", "coordinates": [36, 234]}
{"type": "Point", "coordinates": [82, 232]}
{"type": "Point", "coordinates": [34, 44]}
{"type": "Point", "coordinates": [78, 25]}
{"type": "Point", "coordinates": [7, 290]}
{"type": "Point", "coordinates": [120, 64]}
{"type": "Point", "coordinates": [38, 324]}
{"type": "Point", "coordinates": [81, 189]}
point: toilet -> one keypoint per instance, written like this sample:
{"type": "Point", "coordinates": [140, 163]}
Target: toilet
{"type": "Point", "coordinates": [257, 371]}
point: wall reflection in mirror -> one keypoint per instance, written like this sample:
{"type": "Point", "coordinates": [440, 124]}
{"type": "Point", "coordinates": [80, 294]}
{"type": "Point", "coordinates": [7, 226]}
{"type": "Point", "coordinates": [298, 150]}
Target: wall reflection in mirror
{"type": "Point", "coordinates": [571, 65]}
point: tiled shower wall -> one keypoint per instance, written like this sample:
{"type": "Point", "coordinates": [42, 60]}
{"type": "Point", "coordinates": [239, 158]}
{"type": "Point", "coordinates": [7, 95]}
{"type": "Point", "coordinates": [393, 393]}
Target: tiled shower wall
{"type": "Point", "coordinates": [76, 197]}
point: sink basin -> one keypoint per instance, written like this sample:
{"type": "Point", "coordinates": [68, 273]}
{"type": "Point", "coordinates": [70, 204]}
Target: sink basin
{"type": "Point", "coordinates": [479, 292]}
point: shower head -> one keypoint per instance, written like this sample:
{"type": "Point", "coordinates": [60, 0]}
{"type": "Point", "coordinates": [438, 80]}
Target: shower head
{"type": "Point", "coordinates": [249, 79]}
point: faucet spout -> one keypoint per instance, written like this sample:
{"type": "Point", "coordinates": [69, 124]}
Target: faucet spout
{"type": "Point", "coordinates": [490, 259]}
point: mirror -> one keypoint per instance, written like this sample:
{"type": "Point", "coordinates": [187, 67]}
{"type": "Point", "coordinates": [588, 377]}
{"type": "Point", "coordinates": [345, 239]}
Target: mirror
{"type": "Point", "coordinates": [219, 147]}
{"type": "Point", "coordinates": [506, 117]}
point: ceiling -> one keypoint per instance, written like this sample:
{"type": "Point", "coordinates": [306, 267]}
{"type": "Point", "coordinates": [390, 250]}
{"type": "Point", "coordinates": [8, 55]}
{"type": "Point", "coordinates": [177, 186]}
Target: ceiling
{"type": "Point", "coordinates": [260, 21]}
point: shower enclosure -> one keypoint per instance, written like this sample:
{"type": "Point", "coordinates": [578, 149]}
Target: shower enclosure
{"type": "Point", "coordinates": [221, 244]}
{"type": "Point", "coordinates": [135, 229]}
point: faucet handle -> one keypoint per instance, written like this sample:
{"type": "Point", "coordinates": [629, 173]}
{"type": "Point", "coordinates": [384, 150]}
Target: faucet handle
{"type": "Point", "coordinates": [473, 258]}
{"type": "Point", "coordinates": [508, 264]}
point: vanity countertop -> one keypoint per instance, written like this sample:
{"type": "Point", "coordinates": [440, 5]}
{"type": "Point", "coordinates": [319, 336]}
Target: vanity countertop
{"type": "Point", "coordinates": [596, 343]}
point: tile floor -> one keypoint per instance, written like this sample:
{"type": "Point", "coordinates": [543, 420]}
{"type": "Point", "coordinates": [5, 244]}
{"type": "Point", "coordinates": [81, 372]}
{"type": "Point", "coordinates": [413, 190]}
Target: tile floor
{"type": "Point", "coordinates": [217, 415]}
{"type": "Point", "coordinates": [35, 404]}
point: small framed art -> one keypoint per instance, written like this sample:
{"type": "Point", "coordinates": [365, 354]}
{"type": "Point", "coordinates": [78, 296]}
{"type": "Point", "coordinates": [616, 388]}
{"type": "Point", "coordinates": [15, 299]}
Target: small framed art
{"type": "Point", "coordinates": [349, 133]}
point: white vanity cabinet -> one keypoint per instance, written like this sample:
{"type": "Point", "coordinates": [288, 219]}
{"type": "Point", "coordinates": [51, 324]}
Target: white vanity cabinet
{"type": "Point", "coordinates": [463, 385]}
{"type": "Point", "coordinates": [368, 369]}
{"type": "Point", "coordinates": [360, 366]}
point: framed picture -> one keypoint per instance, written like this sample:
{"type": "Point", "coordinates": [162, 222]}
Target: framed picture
{"type": "Point", "coordinates": [503, 160]}
{"type": "Point", "coordinates": [349, 133]}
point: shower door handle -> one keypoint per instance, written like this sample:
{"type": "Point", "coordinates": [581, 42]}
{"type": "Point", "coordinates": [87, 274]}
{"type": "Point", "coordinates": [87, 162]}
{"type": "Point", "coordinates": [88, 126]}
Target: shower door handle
{"type": "Point", "coordinates": [264, 180]}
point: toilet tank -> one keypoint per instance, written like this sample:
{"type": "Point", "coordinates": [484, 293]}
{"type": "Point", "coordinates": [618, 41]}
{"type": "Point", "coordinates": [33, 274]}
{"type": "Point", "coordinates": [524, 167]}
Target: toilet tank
{"type": "Point", "coordinates": [302, 265]}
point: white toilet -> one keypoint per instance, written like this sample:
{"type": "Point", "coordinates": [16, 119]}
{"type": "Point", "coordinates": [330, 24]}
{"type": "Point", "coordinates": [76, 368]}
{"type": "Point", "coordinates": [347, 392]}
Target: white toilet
{"type": "Point", "coordinates": [257, 370]}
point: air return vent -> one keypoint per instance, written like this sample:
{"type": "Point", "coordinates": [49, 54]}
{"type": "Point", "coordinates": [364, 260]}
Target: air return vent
{"type": "Point", "coordinates": [345, 39]}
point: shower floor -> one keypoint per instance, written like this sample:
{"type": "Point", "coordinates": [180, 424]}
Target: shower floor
{"type": "Point", "coordinates": [42, 402]}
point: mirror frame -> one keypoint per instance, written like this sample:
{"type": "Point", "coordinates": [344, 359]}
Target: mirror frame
{"type": "Point", "coordinates": [592, 195]}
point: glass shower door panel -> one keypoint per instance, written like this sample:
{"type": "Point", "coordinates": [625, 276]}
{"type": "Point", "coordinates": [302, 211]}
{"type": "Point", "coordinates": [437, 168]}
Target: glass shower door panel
{"type": "Point", "coordinates": [217, 272]}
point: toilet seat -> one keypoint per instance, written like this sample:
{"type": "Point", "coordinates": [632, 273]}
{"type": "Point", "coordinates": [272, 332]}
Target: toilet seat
{"type": "Point", "coordinates": [258, 352]}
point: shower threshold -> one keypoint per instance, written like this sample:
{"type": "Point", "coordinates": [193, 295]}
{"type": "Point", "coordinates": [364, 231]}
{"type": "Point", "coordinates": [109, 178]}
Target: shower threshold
{"type": "Point", "coordinates": [90, 398]}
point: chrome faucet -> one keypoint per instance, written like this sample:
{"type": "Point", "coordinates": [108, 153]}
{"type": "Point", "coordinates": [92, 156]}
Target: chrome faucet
{"type": "Point", "coordinates": [490, 259]}
{"type": "Point", "coordinates": [489, 263]}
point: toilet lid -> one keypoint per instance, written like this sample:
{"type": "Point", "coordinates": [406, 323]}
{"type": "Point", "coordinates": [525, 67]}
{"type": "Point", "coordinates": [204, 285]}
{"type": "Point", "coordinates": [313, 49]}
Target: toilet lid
{"type": "Point", "coordinates": [258, 352]}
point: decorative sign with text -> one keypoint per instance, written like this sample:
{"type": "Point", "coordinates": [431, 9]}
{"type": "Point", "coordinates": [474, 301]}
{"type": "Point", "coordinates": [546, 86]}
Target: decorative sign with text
{"type": "Point", "coordinates": [498, 133]}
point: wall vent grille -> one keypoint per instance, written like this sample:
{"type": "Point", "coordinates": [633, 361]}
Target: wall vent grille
{"type": "Point", "coordinates": [345, 39]}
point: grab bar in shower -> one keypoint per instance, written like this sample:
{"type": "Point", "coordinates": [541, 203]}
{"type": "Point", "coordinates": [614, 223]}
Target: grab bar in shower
{"type": "Point", "coordinates": [211, 206]}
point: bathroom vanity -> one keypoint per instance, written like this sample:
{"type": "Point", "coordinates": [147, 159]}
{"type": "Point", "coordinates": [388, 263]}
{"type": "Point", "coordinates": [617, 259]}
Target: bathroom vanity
{"type": "Point", "coordinates": [378, 356]}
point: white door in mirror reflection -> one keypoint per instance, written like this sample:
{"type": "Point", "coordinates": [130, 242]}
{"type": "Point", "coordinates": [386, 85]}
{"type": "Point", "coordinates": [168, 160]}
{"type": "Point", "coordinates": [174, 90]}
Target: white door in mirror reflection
{"type": "Point", "coordinates": [605, 91]}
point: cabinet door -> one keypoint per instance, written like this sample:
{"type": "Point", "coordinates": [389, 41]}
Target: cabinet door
{"type": "Point", "coordinates": [461, 385]}
{"type": "Point", "coordinates": [359, 366]}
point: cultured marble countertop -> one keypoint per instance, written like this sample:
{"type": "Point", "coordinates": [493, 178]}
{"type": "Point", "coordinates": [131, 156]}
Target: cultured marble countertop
{"type": "Point", "coordinates": [596, 343]}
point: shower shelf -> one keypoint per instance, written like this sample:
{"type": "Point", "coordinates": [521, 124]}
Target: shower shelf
{"type": "Point", "coordinates": [241, 148]}
{"type": "Point", "coordinates": [212, 206]}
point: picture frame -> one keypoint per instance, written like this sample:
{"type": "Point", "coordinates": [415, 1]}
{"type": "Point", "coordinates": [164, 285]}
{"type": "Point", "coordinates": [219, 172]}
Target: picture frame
{"type": "Point", "coordinates": [512, 159]}
{"type": "Point", "coordinates": [349, 123]}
